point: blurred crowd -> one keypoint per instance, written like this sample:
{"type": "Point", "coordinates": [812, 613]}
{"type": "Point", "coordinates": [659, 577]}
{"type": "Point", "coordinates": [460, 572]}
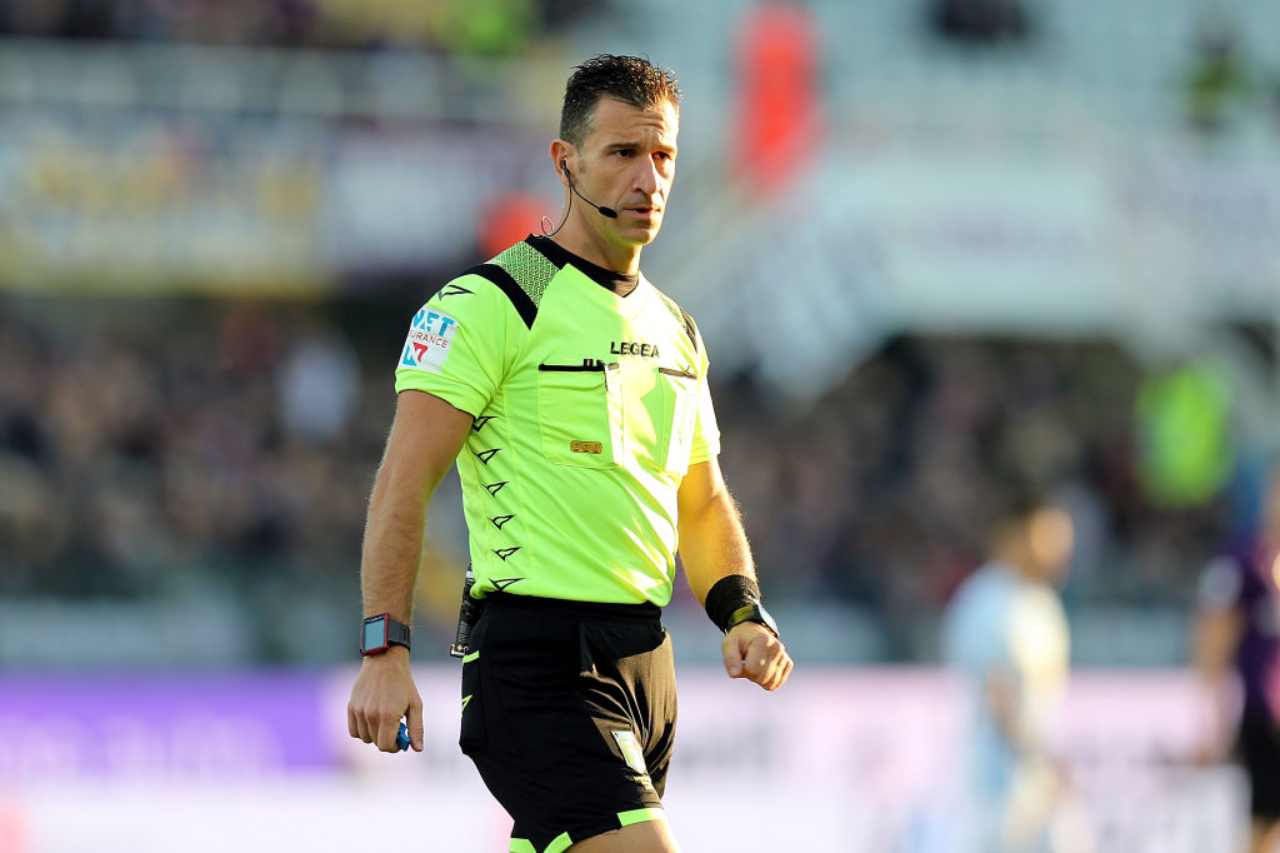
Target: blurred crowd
{"type": "Point", "coordinates": [181, 445]}
{"type": "Point", "coordinates": [884, 494]}
{"type": "Point", "coordinates": [481, 27]}
{"type": "Point", "coordinates": [240, 448]}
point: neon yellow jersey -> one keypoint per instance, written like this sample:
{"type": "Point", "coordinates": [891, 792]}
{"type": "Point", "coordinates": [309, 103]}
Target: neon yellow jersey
{"type": "Point", "coordinates": [589, 408]}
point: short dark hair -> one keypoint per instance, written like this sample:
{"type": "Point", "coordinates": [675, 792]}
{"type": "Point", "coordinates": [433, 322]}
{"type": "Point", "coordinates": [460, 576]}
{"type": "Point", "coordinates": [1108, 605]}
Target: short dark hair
{"type": "Point", "coordinates": [1019, 498]}
{"type": "Point", "coordinates": [630, 79]}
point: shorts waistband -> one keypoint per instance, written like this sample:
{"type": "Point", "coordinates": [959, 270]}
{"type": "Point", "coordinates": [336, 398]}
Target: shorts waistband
{"type": "Point", "coordinates": [646, 611]}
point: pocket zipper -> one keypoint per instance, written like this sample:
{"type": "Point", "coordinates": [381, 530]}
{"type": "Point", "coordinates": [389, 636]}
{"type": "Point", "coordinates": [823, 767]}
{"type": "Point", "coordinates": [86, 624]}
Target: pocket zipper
{"type": "Point", "coordinates": [683, 374]}
{"type": "Point", "coordinates": [588, 365]}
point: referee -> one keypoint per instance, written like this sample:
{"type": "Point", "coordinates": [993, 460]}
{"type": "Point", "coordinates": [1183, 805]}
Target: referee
{"type": "Point", "coordinates": [572, 395]}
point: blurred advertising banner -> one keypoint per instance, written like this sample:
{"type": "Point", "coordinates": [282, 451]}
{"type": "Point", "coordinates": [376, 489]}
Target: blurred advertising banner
{"type": "Point", "coordinates": [143, 168]}
{"type": "Point", "coordinates": [161, 726]}
{"type": "Point", "coordinates": [1225, 212]}
{"type": "Point", "coordinates": [1066, 239]}
{"type": "Point", "coordinates": [141, 204]}
{"type": "Point", "coordinates": [1052, 239]}
{"type": "Point", "coordinates": [840, 760]}
{"type": "Point", "coordinates": [137, 203]}
{"type": "Point", "coordinates": [1056, 237]}
{"type": "Point", "coordinates": [962, 237]}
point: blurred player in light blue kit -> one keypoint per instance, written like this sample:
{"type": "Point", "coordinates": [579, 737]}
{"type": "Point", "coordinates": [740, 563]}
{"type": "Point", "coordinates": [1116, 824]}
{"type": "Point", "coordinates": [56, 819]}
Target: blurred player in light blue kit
{"type": "Point", "coordinates": [1007, 635]}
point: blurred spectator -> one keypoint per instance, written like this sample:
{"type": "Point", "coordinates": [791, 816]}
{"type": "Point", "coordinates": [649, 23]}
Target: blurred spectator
{"type": "Point", "coordinates": [981, 21]}
{"type": "Point", "coordinates": [778, 64]}
{"type": "Point", "coordinates": [318, 386]}
{"type": "Point", "coordinates": [87, 19]}
{"type": "Point", "coordinates": [486, 28]}
{"type": "Point", "coordinates": [1274, 102]}
{"type": "Point", "coordinates": [139, 462]}
{"type": "Point", "coordinates": [1184, 422]}
{"type": "Point", "coordinates": [1216, 78]}
{"type": "Point", "coordinates": [509, 219]}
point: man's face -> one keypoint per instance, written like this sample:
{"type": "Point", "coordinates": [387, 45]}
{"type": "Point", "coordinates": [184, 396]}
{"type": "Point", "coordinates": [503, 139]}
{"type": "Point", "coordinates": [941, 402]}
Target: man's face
{"type": "Point", "coordinates": [628, 162]}
{"type": "Point", "coordinates": [1051, 541]}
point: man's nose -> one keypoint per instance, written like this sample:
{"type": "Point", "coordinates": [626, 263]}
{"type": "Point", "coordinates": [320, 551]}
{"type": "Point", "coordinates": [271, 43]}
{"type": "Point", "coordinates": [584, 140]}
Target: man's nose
{"type": "Point", "coordinates": [647, 178]}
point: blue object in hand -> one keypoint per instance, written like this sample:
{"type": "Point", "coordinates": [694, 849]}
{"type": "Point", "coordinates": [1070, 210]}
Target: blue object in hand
{"type": "Point", "coordinates": [402, 737]}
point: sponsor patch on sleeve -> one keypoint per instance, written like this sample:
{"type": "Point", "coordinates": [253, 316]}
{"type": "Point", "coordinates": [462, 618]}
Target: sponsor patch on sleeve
{"type": "Point", "coordinates": [430, 338]}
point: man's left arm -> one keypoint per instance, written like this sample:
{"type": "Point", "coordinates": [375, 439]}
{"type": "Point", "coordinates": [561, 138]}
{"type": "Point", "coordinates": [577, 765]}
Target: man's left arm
{"type": "Point", "coordinates": [717, 561]}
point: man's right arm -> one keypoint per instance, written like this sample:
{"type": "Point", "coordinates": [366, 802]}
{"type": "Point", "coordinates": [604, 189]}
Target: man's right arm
{"type": "Point", "coordinates": [426, 436]}
{"type": "Point", "coordinates": [975, 644]}
{"type": "Point", "coordinates": [1216, 639]}
{"type": "Point", "coordinates": [1217, 631]}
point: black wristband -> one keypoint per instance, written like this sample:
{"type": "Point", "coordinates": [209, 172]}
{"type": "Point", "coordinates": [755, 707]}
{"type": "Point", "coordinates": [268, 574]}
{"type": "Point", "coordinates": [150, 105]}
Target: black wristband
{"type": "Point", "coordinates": [730, 593]}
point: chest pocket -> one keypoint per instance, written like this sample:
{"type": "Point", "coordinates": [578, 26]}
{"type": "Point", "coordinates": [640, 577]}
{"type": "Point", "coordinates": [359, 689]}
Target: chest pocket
{"type": "Point", "coordinates": [680, 389]}
{"type": "Point", "coordinates": [580, 413]}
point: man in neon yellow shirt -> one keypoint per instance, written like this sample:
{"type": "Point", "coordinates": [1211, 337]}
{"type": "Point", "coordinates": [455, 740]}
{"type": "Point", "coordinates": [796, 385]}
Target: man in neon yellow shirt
{"type": "Point", "coordinates": [572, 395]}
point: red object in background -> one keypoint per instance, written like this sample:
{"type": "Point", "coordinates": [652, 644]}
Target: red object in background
{"type": "Point", "coordinates": [511, 218]}
{"type": "Point", "coordinates": [778, 120]}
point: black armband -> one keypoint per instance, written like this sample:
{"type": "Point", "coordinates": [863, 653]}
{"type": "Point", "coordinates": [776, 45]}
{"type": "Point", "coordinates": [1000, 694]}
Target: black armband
{"type": "Point", "coordinates": [728, 595]}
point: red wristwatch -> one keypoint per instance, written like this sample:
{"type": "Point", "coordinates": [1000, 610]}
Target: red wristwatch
{"type": "Point", "coordinates": [381, 632]}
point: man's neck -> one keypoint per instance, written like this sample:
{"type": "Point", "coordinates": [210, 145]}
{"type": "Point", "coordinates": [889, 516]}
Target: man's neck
{"type": "Point", "coordinates": [1016, 561]}
{"type": "Point", "coordinates": [588, 245]}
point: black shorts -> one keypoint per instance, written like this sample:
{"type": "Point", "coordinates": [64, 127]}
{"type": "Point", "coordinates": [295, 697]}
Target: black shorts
{"type": "Point", "coordinates": [569, 714]}
{"type": "Point", "coordinates": [1258, 748]}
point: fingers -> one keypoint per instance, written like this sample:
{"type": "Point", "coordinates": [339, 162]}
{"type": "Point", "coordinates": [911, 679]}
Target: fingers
{"type": "Point", "coordinates": [358, 723]}
{"type": "Point", "coordinates": [363, 730]}
{"type": "Point", "coordinates": [381, 727]}
{"type": "Point", "coordinates": [733, 657]}
{"type": "Point", "coordinates": [388, 728]}
{"type": "Point", "coordinates": [761, 655]}
{"type": "Point", "coordinates": [753, 653]}
{"type": "Point", "coordinates": [773, 671]}
{"type": "Point", "coordinates": [786, 664]}
{"type": "Point", "coordinates": [415, 722]}
{"type": "Point", "coordinates": [767, 663]}
{"type": "Point", "coordinates": [379, 699]}
{"type": "Point", "coordinates": [776, 673]}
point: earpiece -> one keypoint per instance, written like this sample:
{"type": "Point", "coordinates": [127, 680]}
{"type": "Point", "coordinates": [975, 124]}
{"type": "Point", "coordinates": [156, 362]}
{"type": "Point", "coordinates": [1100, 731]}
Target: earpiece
{"type": "Point", "coordinates": [607, 212]}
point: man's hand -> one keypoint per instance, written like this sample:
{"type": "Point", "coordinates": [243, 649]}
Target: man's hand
{"type": "Point", "coordinates": [752, 652]}
{"type": "Point", "coordinates": [383, 693]}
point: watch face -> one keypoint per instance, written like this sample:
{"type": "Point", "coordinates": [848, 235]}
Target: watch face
{"type": "Point", "coordinates": [375, 634]}
{"type": "Point", "coordinates": [767, 619]}
{"type": "Point", "coordinates": [754, 613]}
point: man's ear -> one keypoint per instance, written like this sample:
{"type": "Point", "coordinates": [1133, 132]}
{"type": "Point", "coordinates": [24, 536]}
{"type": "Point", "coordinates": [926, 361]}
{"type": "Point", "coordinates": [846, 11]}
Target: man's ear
{"type": "Point", "coordinates": [563, 157]}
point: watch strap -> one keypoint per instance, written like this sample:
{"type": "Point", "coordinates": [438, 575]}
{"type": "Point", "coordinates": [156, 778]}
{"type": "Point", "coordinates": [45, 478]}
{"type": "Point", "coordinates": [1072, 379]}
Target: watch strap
{"type": "Point", "coordinates": [752, 612]}
{"type": "Point", "coordinates": [397, 633]}
{"type": "Point", "coordinates": [728, 595]}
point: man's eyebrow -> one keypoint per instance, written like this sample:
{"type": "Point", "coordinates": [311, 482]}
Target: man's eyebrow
{"type": "Point", "coordinates": [618, 146]}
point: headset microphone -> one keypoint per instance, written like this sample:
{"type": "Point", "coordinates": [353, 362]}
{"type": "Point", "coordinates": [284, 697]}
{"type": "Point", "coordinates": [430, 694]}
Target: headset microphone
{"type": "Point", "coordinates": [607, 212]}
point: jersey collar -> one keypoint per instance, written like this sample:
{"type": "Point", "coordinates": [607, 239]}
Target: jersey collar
{"type": "Point", "coordinates": [561, 256]}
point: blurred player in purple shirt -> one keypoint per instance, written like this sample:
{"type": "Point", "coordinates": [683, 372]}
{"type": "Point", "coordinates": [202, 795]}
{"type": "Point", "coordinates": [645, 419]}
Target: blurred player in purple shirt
{"type": "Point", "coordinates": [1239, 631]}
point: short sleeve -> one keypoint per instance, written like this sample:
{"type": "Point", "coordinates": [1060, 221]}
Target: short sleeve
{"type": "Point", "coordinates": [706, 432]}
{"type": "Point", "coordinates": [1221, 585]}
{"type": "Point", "coordinates": [458, 345]}
{"type": "Point", "coordinates": [975, 632]}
